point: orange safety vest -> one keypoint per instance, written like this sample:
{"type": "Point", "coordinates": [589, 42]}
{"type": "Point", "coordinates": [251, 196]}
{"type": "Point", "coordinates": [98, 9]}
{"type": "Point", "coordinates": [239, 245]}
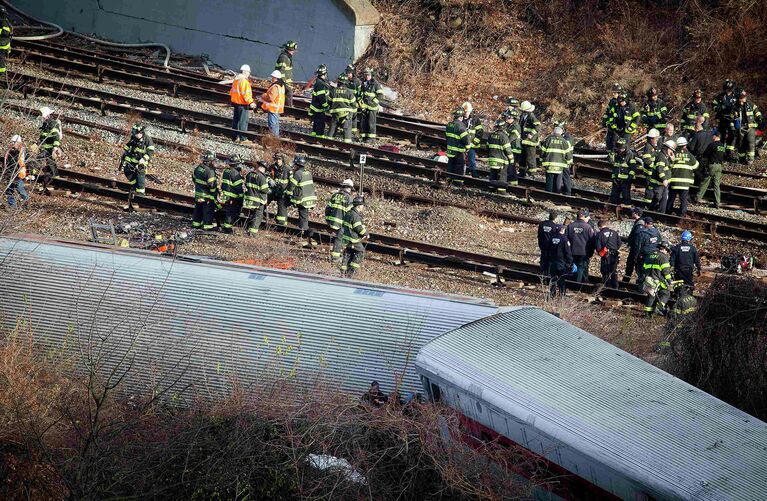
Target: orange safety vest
{"type": "Point", "coordinates": [22, 163]}
{"type": "Point", "coordinates": [241, 92]}
{"type": "Point", "coordinates": [275, 98]}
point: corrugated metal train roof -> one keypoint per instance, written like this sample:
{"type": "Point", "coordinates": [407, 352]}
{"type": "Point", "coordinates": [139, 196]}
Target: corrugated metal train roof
{"type": "Point", "coordinates": [212, 322]}
{"type": "Point", "coordinates": [598, 398]}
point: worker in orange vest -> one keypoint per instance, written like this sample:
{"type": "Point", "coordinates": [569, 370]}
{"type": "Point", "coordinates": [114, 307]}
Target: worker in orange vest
{"type": "Point", "coordinates": [14, 171]}
{"type": "Point", "coordinates": [273, 102]}
{"type": "Point", "coordinates": [242, 100]}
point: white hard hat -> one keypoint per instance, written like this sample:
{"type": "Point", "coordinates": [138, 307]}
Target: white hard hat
{"type": "Point", "coordinates": [348, 182]}
{"type": "Point", "coordinates": [245, 67]}
{"type": "Point", "coordinates": [16, 138]}
{"type": "Point", "coordinates": [45, 111]}
{"type": "Point", "coordinates": [653, 133]}
{"type": "Point", "coordinates": [467, 107]}
{"type": "Point", "coordinates": [558, 131]}
{"type": "Point", "coordinates": [526, 106]}
{"type": "Point", "coordinates": [276, 74]}
{"type": "Point", "coordinates": [670, 144]}
{"type": "Point", "coordinates": [681, 141]}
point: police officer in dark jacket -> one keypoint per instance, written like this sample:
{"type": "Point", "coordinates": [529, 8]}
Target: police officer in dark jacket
{"type": "Point", "coordinates": [633, 242]}
{"type": "Point", "coordinates": [607, 243]}
{"type": "Point", "coordinates": [649, 240]}
{"type": "Point", "coordinates": [684, 258]}
{"type": "Point", "coordinates": [546, 230]}
{"type": "Point", "coordinates": [560, 259]}
{"type": "Point", "coordinates": [581, 236]}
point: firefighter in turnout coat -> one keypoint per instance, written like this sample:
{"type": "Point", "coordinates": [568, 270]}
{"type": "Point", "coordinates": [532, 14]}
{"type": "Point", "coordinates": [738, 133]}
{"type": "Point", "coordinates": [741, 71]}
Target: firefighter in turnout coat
{"type": "Point", "coordinates": [205, 192]}
{"type": "Point", "coordinates": [499, 156]}
{"type": "Point", "coordinates": [657, 279]}
{"type": "Point", "coordinates": [624, 162]}
{"type": "Point", "coordinates": [257, 188]}
{"type": "Point", "coordinates": [339, 205]}
{"type": "Point", "coordinates": [354, 233]}
{"type": "Point", "coordinates": [232, 186]}
{"type": "Point", "coordinates": [137, 154]}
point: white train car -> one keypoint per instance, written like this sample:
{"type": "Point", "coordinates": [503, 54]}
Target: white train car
{"type": "Point", "coordinates": [607, 424]}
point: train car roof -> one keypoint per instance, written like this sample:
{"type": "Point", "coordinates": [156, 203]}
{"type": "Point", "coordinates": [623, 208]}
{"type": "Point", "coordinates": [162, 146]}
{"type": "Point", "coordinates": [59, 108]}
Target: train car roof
{"type": "Point", "coordinates": [222, 322]}
{"type": "Point", "coordinates": [615, 407]}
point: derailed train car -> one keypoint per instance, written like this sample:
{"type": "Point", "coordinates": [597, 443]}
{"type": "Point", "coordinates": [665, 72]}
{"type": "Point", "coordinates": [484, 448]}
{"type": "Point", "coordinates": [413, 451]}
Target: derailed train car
{"type": "Point", "coordinates": [204, 325]}
{"type": "Point", "coordinates": [605, 424]}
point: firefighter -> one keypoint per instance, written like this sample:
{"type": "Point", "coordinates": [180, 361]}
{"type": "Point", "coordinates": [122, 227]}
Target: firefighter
{"type": "Point", "coordinates": [303, 196]}
{"type": "Point", "coordinates": [256, 197]}
{"type": "Point", "coordinates": [512, 105]}
{"type": "Point", "coordinates": [725, 104]}
{"type": "Point", "coordinates": [339, 204]}
{"type": "Point", "coordinates": [284, 65]}
{"type": "Point", "coordinates": [546, 230]}
{"type": "Point", "coordinates": [609, 116]}
{"type": "Point", "coordinates": [528, 125]}
{"type": "Point", "coordinates": [232, 186]}
{"type": "Point", "coordinates": [693, 109]}
{"type": "Point", "coordinates": [281, 172]}
{"type": "Point", "coordinates": [657, 278]}
{"type": "Point", "coordinates": [137, 154]}
{"type": "Point", "coordinates": [560, 259]}
{"type": "Point", "coordinates": [682, 177]}
{"type": "Point", "coordinates": [457, 144]}
{"type": "Point", "coordinates": [369, 101]}
{"type": "Point", "coordinates": [567, 175]}
{"type": "Point", "coordinates": [581, 236]}
{"type": "Point", "coordinates": [625, 119]}
{"type": "Point", "coordinates": [633, 242]}
{"type": "Point", "coordinates": [476, 131]}
{"type": "Point", "coordinates": [607, 244]}
{"type": "Point", "coordinates": [343, 106]}
{"type": "Point", "coordinates": [661, 174]}
{"type": "Point", "coordinates": [648, 241]}
{"type": "Point", "coordinates": [511, 127]}
{"type": "Point", "coordinates": [14, 172]}
{"type": "Point", "coordinates": [747, 119]}
{"type": "Point", "coordinates": [556, 153]}
{"type": "Point", "coordinates": [499, 156]}
{"type": "Point", "coordinates": [320, 105]}
{"type": "Point", "coordinates": [654, 112]}
{"type": "Point", "coordinates": [6, 31]}
{"type": "Point", "coordinates": [649, 153]}
{"type": "Point", "coordinates": [205, 192]}
{"type": "Point", "coordinates": [685, 303]}
{"type": "Point", "coordinates": [50, 148]}
{"type": "Point", "coordinates": [355, 85]}
{"type": "Point", "coordinates": [353, 234]}
{"type": "Point", "coordinates": [685, 259]}
{"type": "Point", "coordinates": [624, 162]}
{"type": "Point", "coordinates": [711, 166]}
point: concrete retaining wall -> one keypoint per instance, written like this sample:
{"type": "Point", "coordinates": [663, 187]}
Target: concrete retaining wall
{"type": "Point", "coordinates": [230, 32]}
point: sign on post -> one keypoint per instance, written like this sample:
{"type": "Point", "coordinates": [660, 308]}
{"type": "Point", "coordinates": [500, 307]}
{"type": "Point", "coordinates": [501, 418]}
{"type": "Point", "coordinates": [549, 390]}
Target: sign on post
{"type": "Point", "coordinates": [363, 159]}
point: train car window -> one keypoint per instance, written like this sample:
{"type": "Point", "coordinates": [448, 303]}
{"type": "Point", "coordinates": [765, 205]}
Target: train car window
{"type": "Point", "coordinates": [479, 407]}
{"type": "Point", "coordinates": [436, 394]}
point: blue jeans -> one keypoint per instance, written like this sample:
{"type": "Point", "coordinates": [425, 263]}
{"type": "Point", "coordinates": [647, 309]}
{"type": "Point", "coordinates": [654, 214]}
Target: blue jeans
{"type": "Point", "coordinates": [471, 160]}
{"type": "Point", "coordinates": [273, 120]}
{"type": "Point", "coordinates": [18, 187]}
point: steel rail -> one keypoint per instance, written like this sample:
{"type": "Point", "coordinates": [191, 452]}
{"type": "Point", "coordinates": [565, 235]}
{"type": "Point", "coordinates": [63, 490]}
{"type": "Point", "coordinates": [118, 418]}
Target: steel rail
{"type": "Point", "coordinates": [403, 249]}
{"type": "Point", "coordinates": [397, 162]}
{"type": "Point", "coordinates": [104, 68]}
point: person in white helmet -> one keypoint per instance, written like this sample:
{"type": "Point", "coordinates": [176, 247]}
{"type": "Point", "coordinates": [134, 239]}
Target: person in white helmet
{"type": "Point", "coordinates": [682, 177]}
{"type": "Point", "coordinates": [15, 171]}
{"type": "Point", "coordinates": [241, 96]}
{"type": "Point", "coordinates": [529, 125]}
{"type": "Point", "coordinates": [339, 204]}
{"type": "Point", "coordinates": [50, 148]}
{"type": "Point", "coordinates": [648, 158]}
{"type": "Point", "coordinates": [273, 102]}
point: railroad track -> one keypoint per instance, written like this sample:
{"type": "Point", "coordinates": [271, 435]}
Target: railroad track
{"type": "Point", "coordinates": [108, 67]}
{"type": "Point", "coordinates": [104, 66]}
{"type": "Point", "coordinates": [404, 250]}
{"type": "Point", "coordinates": [396, 162]}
